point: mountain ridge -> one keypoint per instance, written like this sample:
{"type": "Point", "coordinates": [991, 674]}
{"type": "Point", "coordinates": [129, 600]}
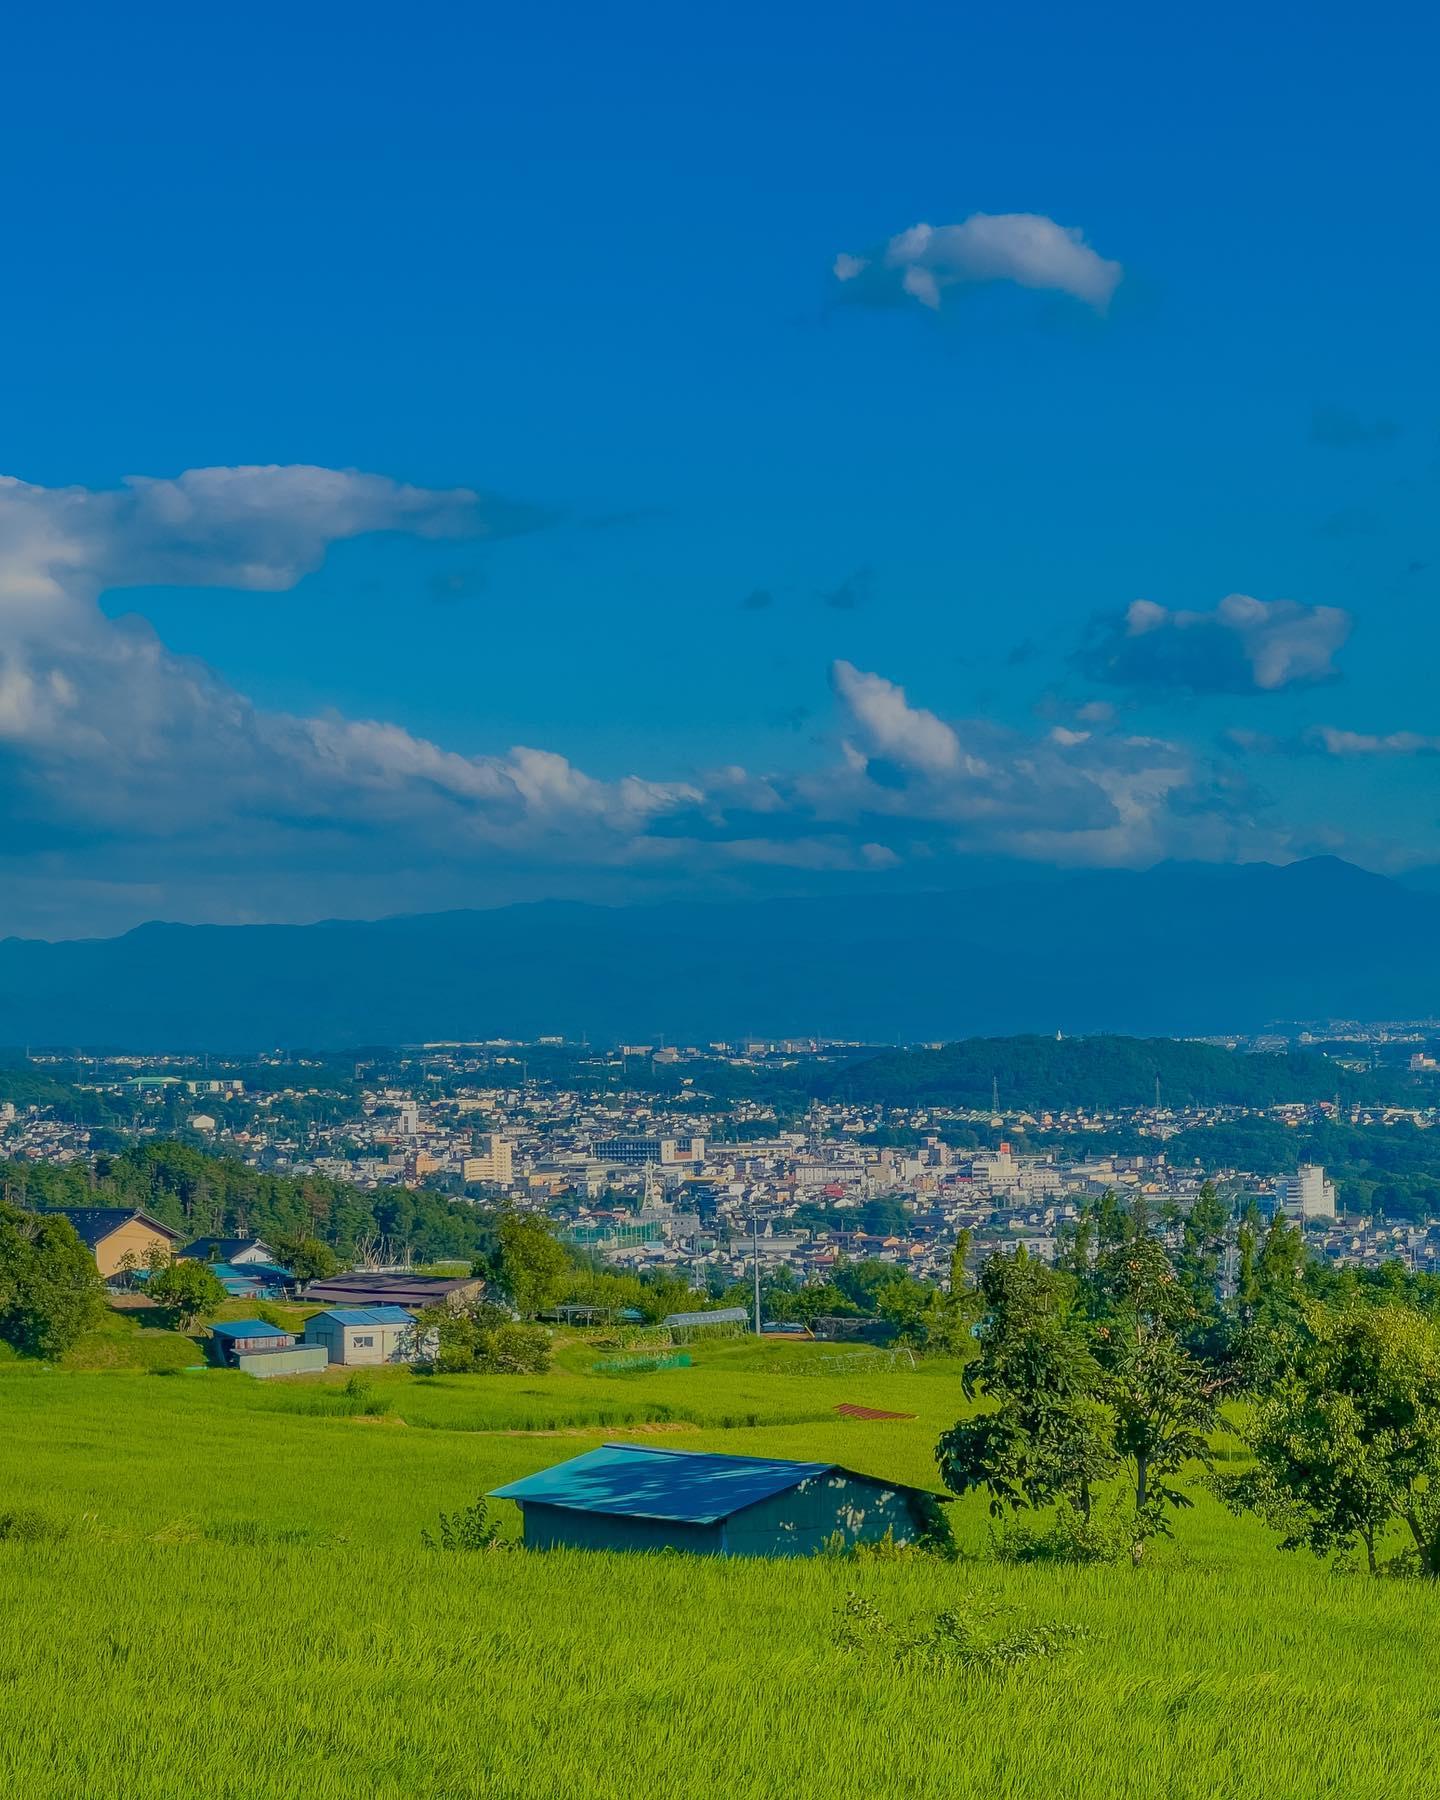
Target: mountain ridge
{"type": "Point", "coordinates": [1178, 949]}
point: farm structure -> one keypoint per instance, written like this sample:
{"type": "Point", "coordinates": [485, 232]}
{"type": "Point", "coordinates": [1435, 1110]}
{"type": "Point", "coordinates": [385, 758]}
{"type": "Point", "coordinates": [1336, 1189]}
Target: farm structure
{"type": "Point", "coordinates": [356, 1335]}
{"type": "Point", "coordinates": [257, 1348]}
{"type": "Point", "coordinates": [723, 1321]}
{"type": "Point", "coordinates": [633, 1497]}
{"type": "Point", "coordinates": [395, 1288]}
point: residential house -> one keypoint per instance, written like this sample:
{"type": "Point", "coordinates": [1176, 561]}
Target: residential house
{"type": "Point", "coordinates": [121, 1237]}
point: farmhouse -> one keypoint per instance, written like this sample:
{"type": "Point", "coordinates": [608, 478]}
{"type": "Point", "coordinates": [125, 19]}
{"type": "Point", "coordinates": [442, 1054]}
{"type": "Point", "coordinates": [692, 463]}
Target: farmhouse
{"type": "Point", "coordinates": [237, 1251]}
{"type": "Point", "coordinates": [364, 1334]}
{"type": "Point", "coordinates": [114, 1233]}
{"type": "Point", "coordinates": [633, 1497]}
{"type": "Point", "coordinates": [362, 1288]}
{"type": "Point", "coordinates": [261, 1349]}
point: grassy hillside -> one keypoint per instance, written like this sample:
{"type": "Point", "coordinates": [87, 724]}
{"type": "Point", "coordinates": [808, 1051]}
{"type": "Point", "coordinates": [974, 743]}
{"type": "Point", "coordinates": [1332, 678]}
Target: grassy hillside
{"type": "Point", "coordinates": [242, 1609]}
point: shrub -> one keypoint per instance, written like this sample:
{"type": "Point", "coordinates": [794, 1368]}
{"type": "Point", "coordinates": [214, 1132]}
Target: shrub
{"type": "Point", "coordinates": [471, 1528]}
{"type": "Point", "coordinates": [977, 1641]}
{"type": "Point", "coordinates": [364, 1399]}
{"type": "Point", "coordinates": [28, 1525]}
{"type": "Point", "coordinates": [1068, 1538]}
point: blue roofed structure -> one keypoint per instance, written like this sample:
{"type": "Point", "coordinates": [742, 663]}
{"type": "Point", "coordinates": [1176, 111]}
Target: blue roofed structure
{"type": "Point", "coordinates": [369, 1315]}
{"type": "Point", "coordinates": [633, 1497]}
{"type": "Point", "coordinates": [248, 1330]}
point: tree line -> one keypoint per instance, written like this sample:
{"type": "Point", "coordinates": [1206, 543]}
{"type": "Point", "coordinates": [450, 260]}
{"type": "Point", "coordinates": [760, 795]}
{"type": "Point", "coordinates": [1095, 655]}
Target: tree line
{"type": "Point", "coordinates": [1105, 1375]}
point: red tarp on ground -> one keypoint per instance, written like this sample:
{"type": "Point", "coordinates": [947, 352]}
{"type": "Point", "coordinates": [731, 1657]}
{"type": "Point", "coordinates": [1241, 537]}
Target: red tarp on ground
{"type": "Point", "coordinates": [869, 1412]}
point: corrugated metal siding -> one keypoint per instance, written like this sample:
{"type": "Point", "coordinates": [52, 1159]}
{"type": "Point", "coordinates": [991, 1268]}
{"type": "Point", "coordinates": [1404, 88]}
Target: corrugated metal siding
{"type": "Point", "coordinates": [300, 1359]}
{"type": "Point", "coordinates": [555, 1527]}
{"type": "Point", "coordinates": [798, 1523]}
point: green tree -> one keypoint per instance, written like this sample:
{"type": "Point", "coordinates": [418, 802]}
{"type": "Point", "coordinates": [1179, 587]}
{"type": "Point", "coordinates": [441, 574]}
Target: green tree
{"type": "Point", "coordinates": [1162, 1397]}
{"type": "Point", "coordinates": [1347, 1442]}
{"type": "Point", "coordinates": [530, 1262]}
{"type": "Point", "coordinates": [50, 1291]}
{"type": "Point", "coordinates": [307, 1258]}
{"type": "Point", "coordinates": [1050, 1435]}
{"type": "Point", "coordinates": [188, 1289]}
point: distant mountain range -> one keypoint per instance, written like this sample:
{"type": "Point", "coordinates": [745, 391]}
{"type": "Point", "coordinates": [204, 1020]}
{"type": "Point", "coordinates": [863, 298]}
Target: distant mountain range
{"type": "Point", "coordinates": [1172, 950]}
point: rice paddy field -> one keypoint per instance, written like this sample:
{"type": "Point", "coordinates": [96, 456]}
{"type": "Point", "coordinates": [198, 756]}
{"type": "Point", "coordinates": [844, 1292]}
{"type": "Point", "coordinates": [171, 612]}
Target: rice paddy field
{"type": "Point", "coordinates": [227, 1596]}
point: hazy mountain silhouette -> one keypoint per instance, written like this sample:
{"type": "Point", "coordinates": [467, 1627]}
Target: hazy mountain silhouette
{"type": "Point", "coordinates": [1172, 950]}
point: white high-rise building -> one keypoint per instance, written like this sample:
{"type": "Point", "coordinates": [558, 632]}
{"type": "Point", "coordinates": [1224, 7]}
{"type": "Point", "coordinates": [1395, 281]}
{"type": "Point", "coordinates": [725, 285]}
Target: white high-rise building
{"type": "Point", "coordinates": [1307, 1194]}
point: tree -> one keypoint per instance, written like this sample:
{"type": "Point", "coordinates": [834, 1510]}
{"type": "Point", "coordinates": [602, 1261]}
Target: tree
{"type": "Point", "coordinates": [307, 1258]}
{"type": "Point", "coordinates": [530, 1262]}
{"type": "Point", "coordinates": [479, 1340]}
{"type": "Point", "coordinates": [50, 1290]}
{"type": "Point", "coordinates": [1162, 1398]}
{"type": "Point", "coordinates": [189, 1289]}
{"type": "Point", "coordinates": [1347, 1443]}
{"type": "Point", "coordinates": [1050, 1436]}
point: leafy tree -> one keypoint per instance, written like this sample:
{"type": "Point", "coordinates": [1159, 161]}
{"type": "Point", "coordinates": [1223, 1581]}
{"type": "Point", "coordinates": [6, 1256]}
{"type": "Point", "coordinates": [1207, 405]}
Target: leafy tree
{"type": "Point", "coordinates": [50, 1290]}
{"type": "Point", "coordinates": [1347, 1443]}
{"type": "Point", "coordinates": [307, 1258]}
{"type": "Point", "coordinates": [1162, 1397]}
{"type": "Point", "coordinates": [189, 1289]}
{"type": "Point", "coordinates": [1050, 1436]}
{"type": "Point", "coordinates": [479, 1340]}
{"type": "Point", "coordinates": [529, 1262]}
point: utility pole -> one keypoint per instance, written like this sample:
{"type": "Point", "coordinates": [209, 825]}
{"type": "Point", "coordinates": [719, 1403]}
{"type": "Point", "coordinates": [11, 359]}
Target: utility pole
{"type": "Point", "coordinates": [755, 1264]}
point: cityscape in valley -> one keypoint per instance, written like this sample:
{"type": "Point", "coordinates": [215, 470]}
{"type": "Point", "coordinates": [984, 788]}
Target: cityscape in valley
{"type": "Point", "coordinates": [706, 1161]}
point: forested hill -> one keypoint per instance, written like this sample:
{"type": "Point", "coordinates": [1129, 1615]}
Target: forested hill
{"type": "Point", "coordinates": [1096, 1073]}
{"type": "Point", "coordinates": [221, 1196]}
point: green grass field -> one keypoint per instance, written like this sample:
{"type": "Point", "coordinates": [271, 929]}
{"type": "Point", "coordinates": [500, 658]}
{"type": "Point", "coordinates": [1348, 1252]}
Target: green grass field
{"type": "Point", "coordinates": [242, 1609]}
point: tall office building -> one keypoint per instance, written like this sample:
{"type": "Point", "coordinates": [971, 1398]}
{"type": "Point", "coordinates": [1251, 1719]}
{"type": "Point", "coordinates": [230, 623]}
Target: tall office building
{"type": "Point", "coordinates": [1307, 1194]}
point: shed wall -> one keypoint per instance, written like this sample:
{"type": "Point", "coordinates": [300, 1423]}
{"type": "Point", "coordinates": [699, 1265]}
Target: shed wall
{"type": "Point", "coordinates": [797, 1523]}
{"type": "Point", "coordinates": [556, 1527]}
{"type": "Point", "coordinates": [299, 1359]}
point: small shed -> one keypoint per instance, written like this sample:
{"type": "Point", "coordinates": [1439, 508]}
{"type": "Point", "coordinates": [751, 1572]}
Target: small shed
{"type": "Point", "coordinates": [364, 1334]}
{"type": "Point", "coordinates": [634, 1497]}
{"type": "Point", "coordinates": [256, 1347]}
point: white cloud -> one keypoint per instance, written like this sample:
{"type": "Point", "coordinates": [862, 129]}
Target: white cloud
{"type": "Point", "coordinates": [1363, 743]}
{"type": "Point", "coordinates": [913, 737]}
{"type": "Point", "coordinates": [1026, 248]}
{"type": "Point", "coordinates": [1244, 645]}
{"type": "Point", "coordinates": [131, 777]}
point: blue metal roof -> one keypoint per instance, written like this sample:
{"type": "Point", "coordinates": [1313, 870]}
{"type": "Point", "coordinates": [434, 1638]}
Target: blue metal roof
{"type": "Point", "coordinates": [661, 1484]}
{"type": "Point", "coordinates": [719, 1315]}
{"type": "Point", "coordinates": [368, 1315]}
{"type": "Point", "coordinates": [247, 1328]}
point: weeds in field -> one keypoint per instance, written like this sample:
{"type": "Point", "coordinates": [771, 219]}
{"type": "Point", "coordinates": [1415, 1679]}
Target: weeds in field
{"type": "Point", "coordinates": [976, 1641]}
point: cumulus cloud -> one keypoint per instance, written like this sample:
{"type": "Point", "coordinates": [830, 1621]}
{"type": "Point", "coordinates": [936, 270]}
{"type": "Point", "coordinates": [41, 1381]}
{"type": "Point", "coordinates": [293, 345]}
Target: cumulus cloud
{"type": "Point", "coordinates": [1244, 646]}
{"type": "Point", "coordinates": [1025, 248]}
{"type": "Point", "coordinates": [907, 734]}
{"type": "Point", "coordinates": [134, 781]}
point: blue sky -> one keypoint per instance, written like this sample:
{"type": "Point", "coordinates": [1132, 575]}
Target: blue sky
{"type": "Point", "coordinates": [581, 262]}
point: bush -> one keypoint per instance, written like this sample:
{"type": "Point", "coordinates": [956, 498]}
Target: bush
{"type": "Point", "coordinates": [364, 1398]}
{"type": "Point", "coordinates": [482, 1340]}
{"type": "Point", "coordinates": [1067, 1538]}
{"type": "Point", "coordinates": [471, 1528]}
{"type": "Point", "coordinates": [976, 1641]}
{"type": "Point", "coordinates": [28, 1525]}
